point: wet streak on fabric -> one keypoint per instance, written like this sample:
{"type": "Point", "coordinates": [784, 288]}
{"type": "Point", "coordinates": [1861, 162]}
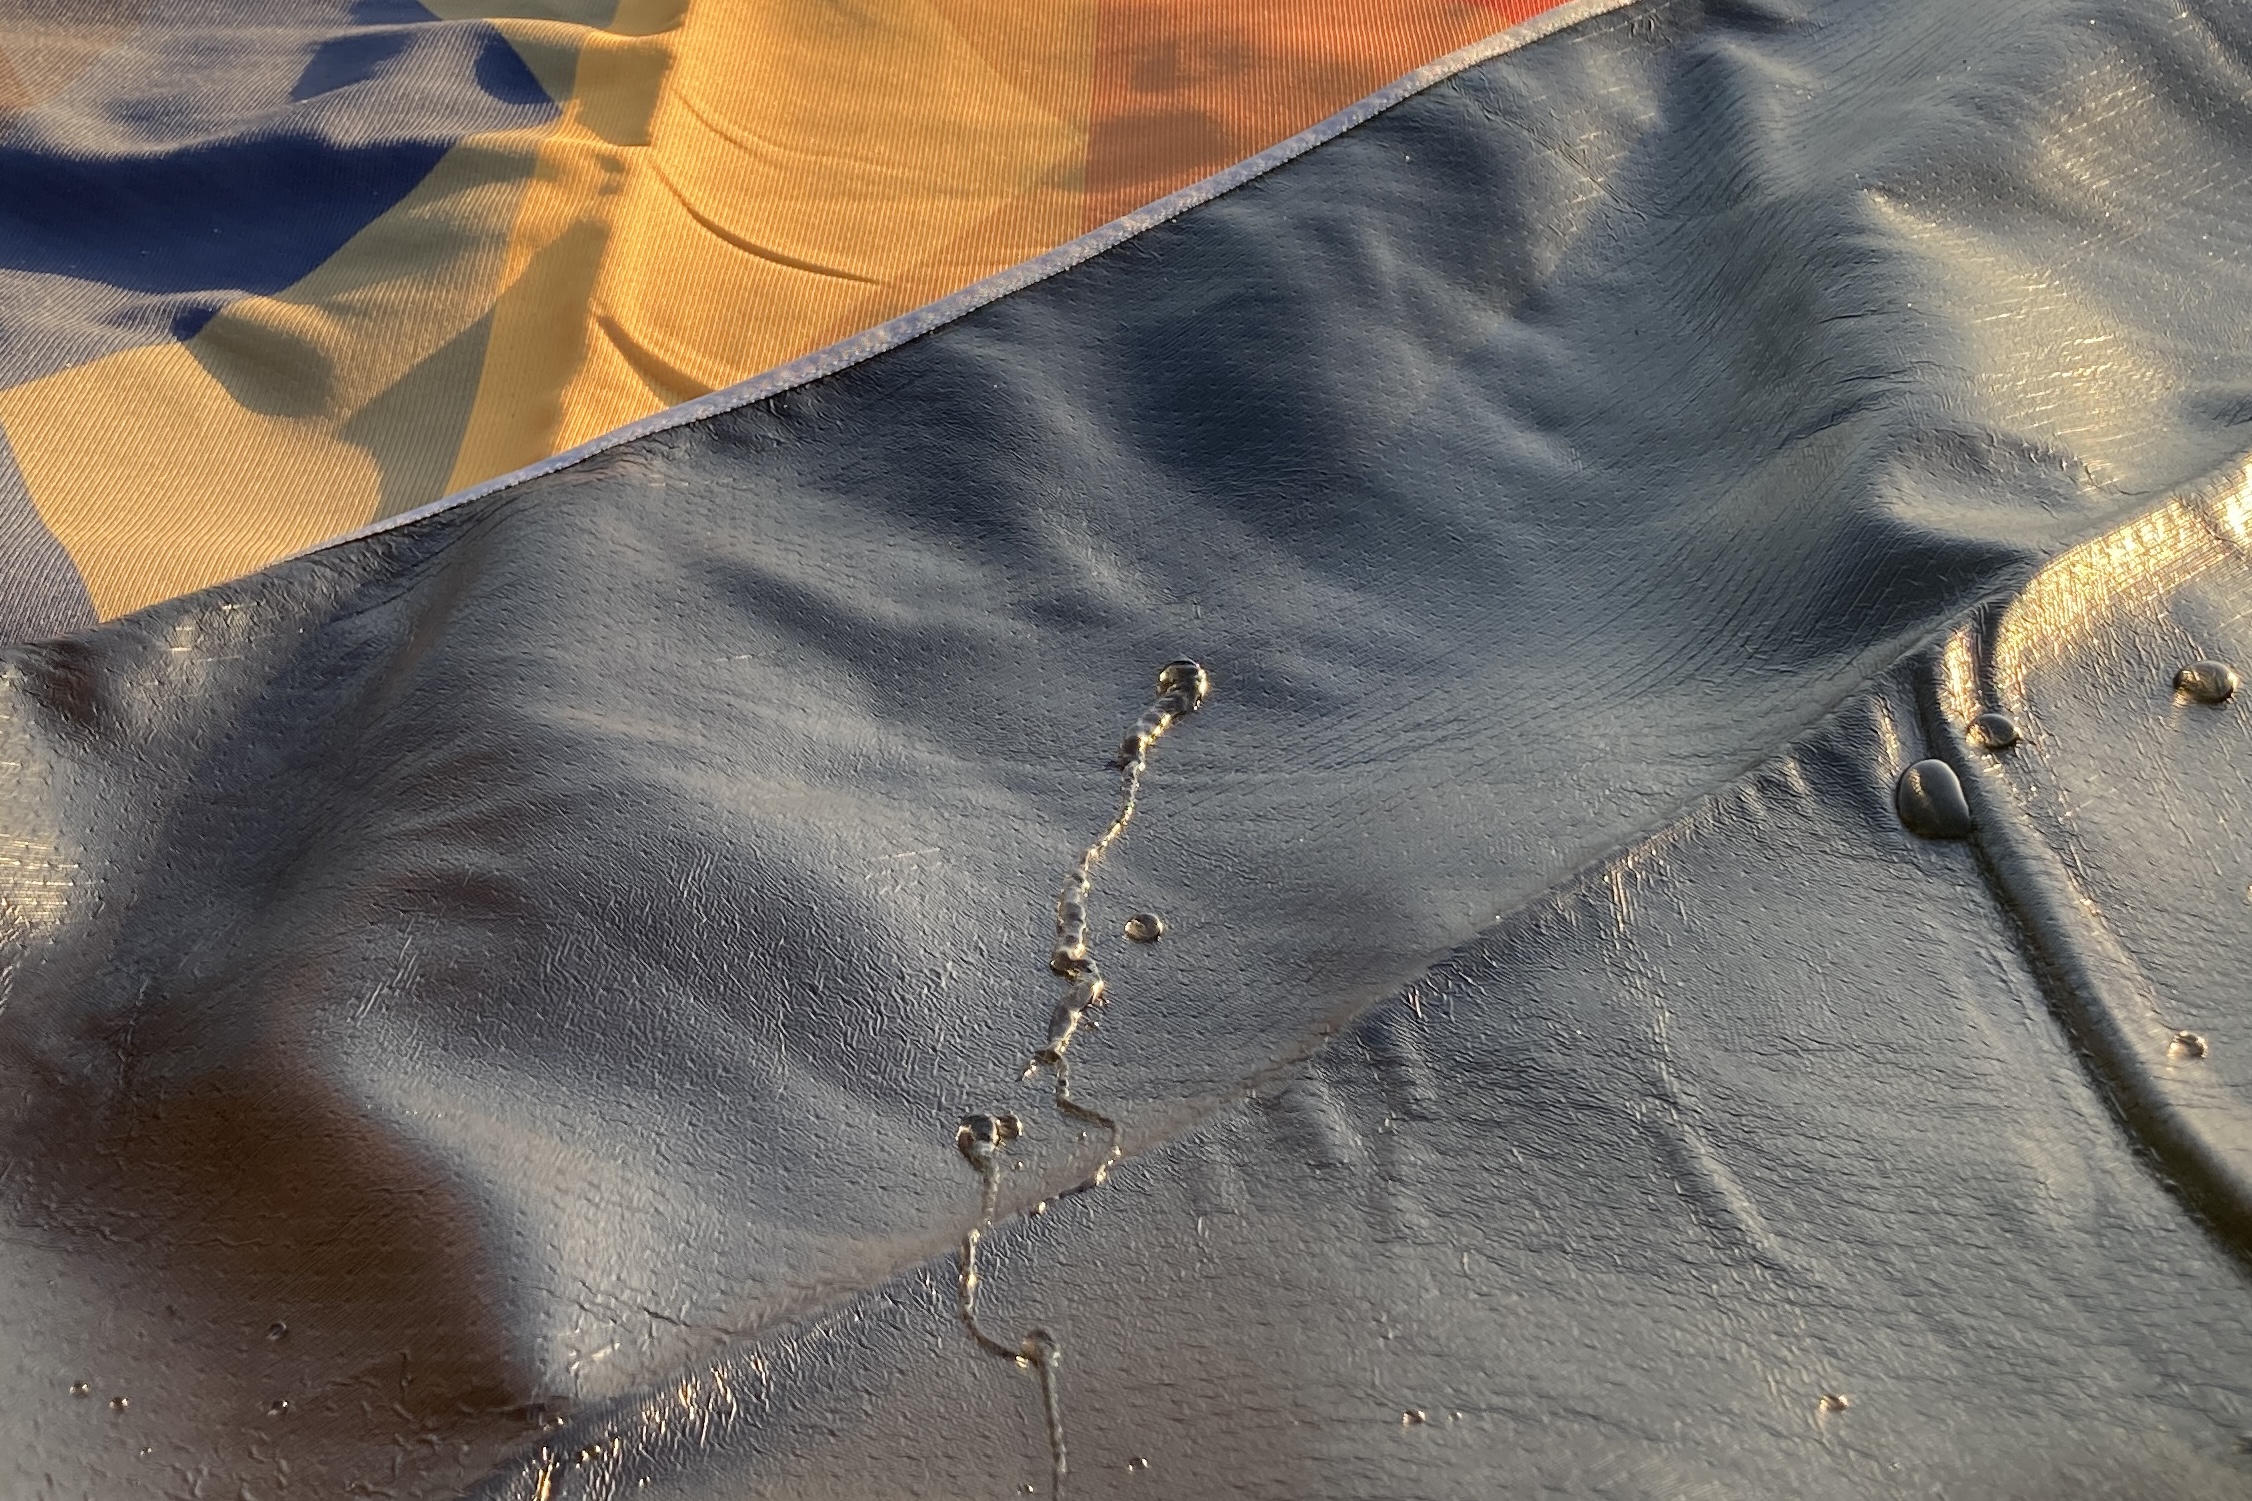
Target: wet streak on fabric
{"type": "Point", "coordinates": [1751, 1163]}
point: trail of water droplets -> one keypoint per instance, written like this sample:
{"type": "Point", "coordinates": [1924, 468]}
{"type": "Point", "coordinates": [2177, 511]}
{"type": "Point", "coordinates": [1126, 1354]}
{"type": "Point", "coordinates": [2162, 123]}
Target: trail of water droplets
{"type": "Point", "coordinates": [1182, 686]}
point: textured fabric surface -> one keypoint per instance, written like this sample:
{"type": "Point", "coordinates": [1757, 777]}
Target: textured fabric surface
{"type": "Point", "coordinates": [487, 1005]}
{"type": "Point", "coordinates": [272, 270]}
{"type": "Point", "coordinates": [1752, 1163]}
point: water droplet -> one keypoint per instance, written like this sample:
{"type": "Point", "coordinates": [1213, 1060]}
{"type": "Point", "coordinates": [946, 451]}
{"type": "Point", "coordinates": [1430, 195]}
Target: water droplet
{"type": "Point", "coordinates": [981, 1137]}
{"type": "Point", "coordinates": [1993, 731]}
{"type": "Point", "coordinates": [1145, 927]}
{"type": "Point", "coordinates": [1834, 1402]}
{"type": "Point", "coordinates": [2207, 682]}
{"type": "Point", "coordinates": [278, 1408]}
{"type": "Point", "coordinates": [1137, 1464]}
{"type": "Point", "coordinates": [277, 1330]}
{"type": "Point", "coordinates": [2187, 1045]}
{"type": "Point", "coordinates": [80, 1389]}
{"type": "Point", "coordinates": [1186, 678]}
{"type": "Point", "coordinates": [118, 1404]}
{"type": "Point", "coordinates": [1414, 1416]}
{"type": "Point", "coordinates": [1930, 800]}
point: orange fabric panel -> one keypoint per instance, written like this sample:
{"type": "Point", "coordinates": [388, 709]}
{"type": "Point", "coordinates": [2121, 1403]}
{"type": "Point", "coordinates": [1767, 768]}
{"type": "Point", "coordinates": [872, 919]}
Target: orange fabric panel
{"type": "Point", "coordinates": [1185, 87]}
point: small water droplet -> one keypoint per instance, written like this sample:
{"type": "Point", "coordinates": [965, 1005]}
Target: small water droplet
{"type": "Point", "coordinates": [1188, 679]}
{"type": "Point", "coordinates": [1414, 1416]}
{"type": "Point", "coordinates": [278, 1408]}
{"type": "Point", "coordinates": [1145, 927]}
{"type": "Point", "coordinates": [1929, 797]}
{"type": "Point", "coordinates": [2187, 1045]}
{"type": "Point", "coordinates": [1993, 731]}
{"type": "Point", "coordinates": [1137, 1464]}
{"type": "Point", "coordinates": [80, 1389]}
{"type": "Point", "coordinates": [118, 1404]}
{"type": "Point", "coordinates": [1834, 1402]}
{"type": "Point", "coordinates": [981, 1137]}
{"type": "Point", "coordinates": [2207, 682]}
{"type": "Point", "coordinates": [277, 1330]}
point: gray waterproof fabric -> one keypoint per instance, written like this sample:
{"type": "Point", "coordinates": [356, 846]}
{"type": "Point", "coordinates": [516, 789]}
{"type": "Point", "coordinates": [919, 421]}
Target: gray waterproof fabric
{"type": "Point", "coordinates": [487, 1006]}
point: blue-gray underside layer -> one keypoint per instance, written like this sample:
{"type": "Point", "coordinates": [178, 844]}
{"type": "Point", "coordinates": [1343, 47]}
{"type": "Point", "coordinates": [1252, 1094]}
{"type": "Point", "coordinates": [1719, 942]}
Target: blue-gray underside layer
{"type": "Point", "coordinates": [538, 955]}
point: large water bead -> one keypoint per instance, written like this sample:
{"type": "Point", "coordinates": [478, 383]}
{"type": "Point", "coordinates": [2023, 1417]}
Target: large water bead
{"type": "Point", "coordinates": [2207, 682]}
{"type": "Point", "coordinates": [1993, 731]}
{"type": "Point", "coordinates": [1929, 798]}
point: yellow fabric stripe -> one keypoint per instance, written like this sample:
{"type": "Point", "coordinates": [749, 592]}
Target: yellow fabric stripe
{"type": "Point", "coordinates": [167, 468]}
{"type": "Point", "coordinates": [290, 418]}
{"type": "Point", "coordinates": [564, 225]}
{"type": "Point", "coordinates": [766, 177]}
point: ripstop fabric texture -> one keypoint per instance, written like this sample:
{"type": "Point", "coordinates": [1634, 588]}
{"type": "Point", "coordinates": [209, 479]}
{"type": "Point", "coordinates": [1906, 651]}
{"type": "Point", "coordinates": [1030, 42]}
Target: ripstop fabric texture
{"type": "Point", "coordinates": [274, 270]}
{"type": "Point", "coordinates": [487, 1005]}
